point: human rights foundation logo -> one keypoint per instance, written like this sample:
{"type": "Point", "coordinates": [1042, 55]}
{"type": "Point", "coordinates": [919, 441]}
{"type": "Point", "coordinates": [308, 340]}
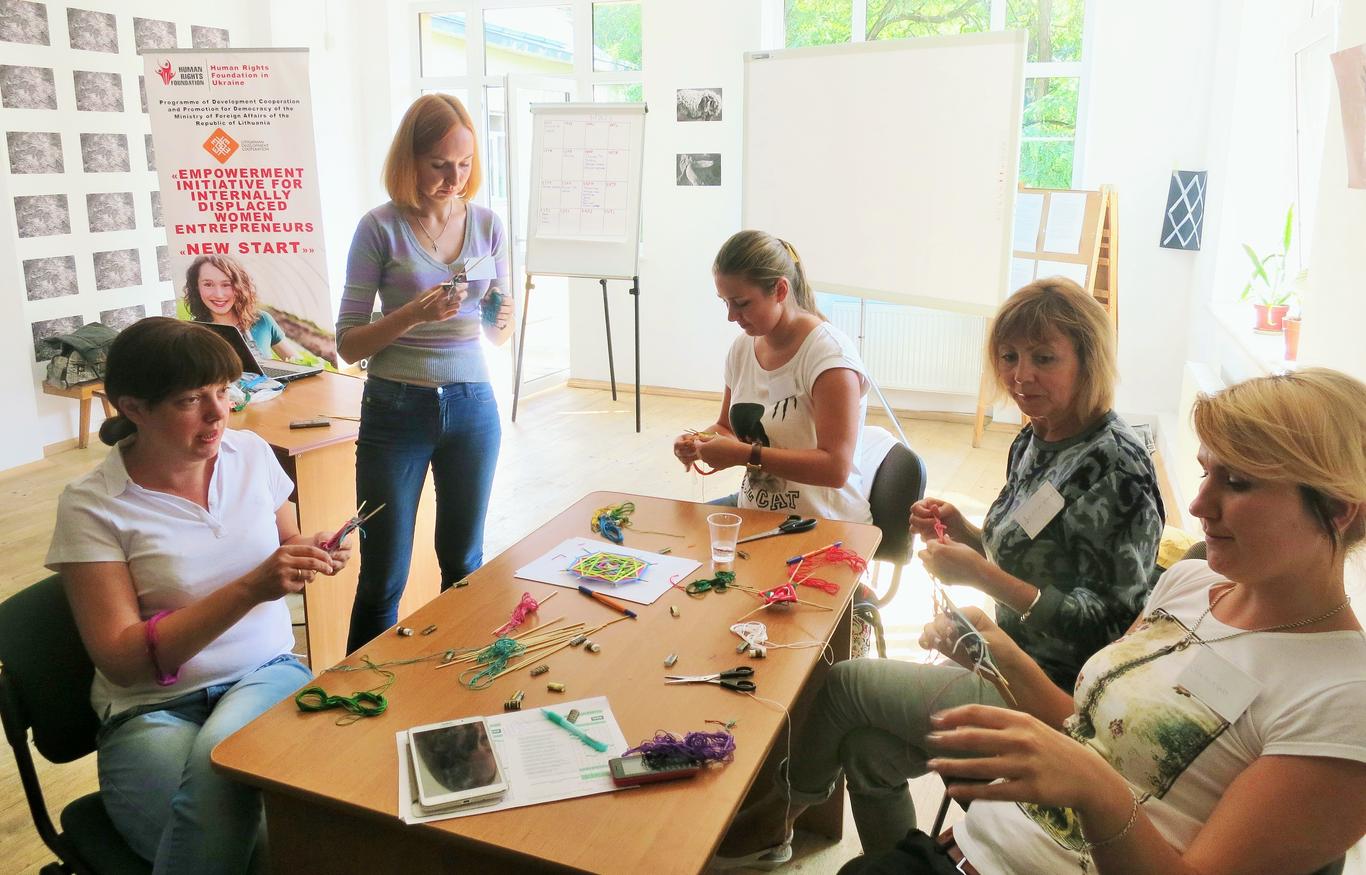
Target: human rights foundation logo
{"type": "Point", "coordinates": [220, 145]}
{"type": "Point", "coordinates": [165, 72]}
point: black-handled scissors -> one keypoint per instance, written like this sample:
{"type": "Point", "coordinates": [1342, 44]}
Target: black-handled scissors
{"type": "Point", "coordinates": [735, 679]}
{"type": "Point", "coordinates": [789, 526]}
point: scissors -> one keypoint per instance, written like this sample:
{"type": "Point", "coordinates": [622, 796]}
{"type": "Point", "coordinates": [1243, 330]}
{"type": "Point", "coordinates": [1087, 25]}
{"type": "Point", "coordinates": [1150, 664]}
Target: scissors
{"type": "Point", "coordinates": [789, 526]}
{"type": "Point", "coordinates": [731, 680]}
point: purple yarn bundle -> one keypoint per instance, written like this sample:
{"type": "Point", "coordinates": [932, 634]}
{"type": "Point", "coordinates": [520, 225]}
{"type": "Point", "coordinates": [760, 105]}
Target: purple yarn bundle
{"type": "Point", "coordinates": [697, 747]}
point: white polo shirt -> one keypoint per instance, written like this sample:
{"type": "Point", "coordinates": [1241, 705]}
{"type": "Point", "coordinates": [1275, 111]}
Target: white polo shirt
{"type": "Point", "coordinates": [178, 552]}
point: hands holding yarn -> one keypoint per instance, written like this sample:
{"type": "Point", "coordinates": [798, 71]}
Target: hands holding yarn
{"type": "Point", "coordinates": [715, 450]}
{"type": "Point", "coordinates": [941, 634]}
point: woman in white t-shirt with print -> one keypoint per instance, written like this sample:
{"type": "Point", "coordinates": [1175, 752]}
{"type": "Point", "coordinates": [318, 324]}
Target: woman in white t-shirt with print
{"type": "Point", "coordinates": [796, 392]}
{"type": "Point", "coordinates": [1224, 734]}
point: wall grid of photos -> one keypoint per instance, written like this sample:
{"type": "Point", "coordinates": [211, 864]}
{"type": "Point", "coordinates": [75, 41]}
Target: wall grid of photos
{"type": "Point", "coordinates": [80, 163]}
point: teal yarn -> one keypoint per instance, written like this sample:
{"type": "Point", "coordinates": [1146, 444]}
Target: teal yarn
{"type": "Point", "coordinates": [494, 659]}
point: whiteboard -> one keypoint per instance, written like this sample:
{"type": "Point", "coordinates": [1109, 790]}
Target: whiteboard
{"type": "Point", "coordinates": [890, 166]}
{"type": "Point", "coordinates": [584, 213]}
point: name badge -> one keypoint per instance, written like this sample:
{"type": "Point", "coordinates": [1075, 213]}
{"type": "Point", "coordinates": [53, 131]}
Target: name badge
{"type": "Point", "coordinates": [1039, 510]}
{"type": "Point", "coordinates": [781, 388]}
{"type": "Point", "coordinates": [1220, 684]}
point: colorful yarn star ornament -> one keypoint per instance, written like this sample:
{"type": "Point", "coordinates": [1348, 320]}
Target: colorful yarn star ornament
{"type": "Point", "coordinates": [609, 568]}
{"type": "Point", "coordinates": [781, 595]}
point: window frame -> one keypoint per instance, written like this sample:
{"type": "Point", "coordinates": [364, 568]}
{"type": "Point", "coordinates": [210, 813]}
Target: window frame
{"type": "Point", "coordinates": [1079, 70]}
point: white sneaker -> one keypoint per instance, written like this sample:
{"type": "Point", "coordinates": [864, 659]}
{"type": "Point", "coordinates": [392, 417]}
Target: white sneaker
{"type": "Point", "coordinates": [766, 860]}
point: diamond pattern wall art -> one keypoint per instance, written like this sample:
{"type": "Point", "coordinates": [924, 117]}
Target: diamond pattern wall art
{"type": "Point", "coordinates": [1184, 221]}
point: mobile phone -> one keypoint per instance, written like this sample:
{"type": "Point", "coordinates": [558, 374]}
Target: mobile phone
{"type": "Point", "coordinates": [454, 764]}
{"type": "Point", "coordinates": [633, 770]}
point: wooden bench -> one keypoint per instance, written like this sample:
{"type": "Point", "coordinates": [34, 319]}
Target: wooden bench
{"type": "Point", "coordinates": [83, 393]}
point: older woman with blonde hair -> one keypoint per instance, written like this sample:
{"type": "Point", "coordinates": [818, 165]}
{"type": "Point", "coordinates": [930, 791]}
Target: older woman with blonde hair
{"type": "Point", "coordinates": [428, 403]}
{"type": "Point", "coordinates": [1223, 735]}
{"type": "Point", "coordinates": [1067, 552]}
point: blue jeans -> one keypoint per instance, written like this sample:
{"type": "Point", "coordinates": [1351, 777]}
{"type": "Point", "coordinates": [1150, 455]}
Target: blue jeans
{"type": "Point", "coordinates": [160, 789]}
{"type": "Point", "coordinates": [404, 429]}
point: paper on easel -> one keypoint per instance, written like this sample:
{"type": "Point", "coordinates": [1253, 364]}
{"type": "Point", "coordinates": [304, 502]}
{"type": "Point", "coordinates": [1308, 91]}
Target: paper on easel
{"type": "Point", "coordinates": [1066, 215]}
{"type": "Point", "coordinates": [654, 581]}
{"type": "Point", "coordinates": [541, 761]}
{"type": "Point", "coordinates": [1028, 213]}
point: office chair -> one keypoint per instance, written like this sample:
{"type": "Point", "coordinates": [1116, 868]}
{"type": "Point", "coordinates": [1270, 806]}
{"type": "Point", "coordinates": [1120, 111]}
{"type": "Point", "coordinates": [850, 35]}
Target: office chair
{"type": "Point", "coordinates": [45, 678]}
{"type": "Point", "coordinates": [898, 484]}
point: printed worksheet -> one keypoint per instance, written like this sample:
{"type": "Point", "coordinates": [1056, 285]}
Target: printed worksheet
{"type": "Point", "coordinates": [541, 761]}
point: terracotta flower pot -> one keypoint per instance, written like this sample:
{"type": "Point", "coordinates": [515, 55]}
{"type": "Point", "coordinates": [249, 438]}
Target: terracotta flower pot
{"type": "Point", "coordinates": [1292, 338]}
{"type": "Point", "coordinates": [1269, 318]}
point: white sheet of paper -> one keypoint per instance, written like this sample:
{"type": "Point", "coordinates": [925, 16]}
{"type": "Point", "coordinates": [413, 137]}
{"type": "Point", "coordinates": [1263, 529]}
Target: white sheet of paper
{"type": "Point", "coordinates": [541, 761]}
{"type": "Point", "coordinates": [1227, 689]}
{"type": "Point", "coordinates": [1021, 272]}
{"type": "Point", "coordinates": [1028, 212]}
{"type": "Point", "coordinates": [1066, 212]}
{"type": "Point", "coordinates": [1075, 272]}
{"type": "Point", "coordinates": [1041, 507]}
{"type": "Point", "coordinates": [550, 568]}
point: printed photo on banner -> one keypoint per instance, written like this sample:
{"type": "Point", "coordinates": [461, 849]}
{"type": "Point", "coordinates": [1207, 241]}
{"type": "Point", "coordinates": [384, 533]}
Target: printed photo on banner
{"type": "Point", "coordinates": [698, 104]}
{"type": "Point", "coordinates": [698, 168]}
{"type": "Point", "coordinates": [233, 135]}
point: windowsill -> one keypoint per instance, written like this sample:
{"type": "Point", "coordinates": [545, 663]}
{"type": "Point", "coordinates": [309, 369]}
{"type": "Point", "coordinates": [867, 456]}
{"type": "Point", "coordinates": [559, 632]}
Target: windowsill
{"type": "Point", "coordinates": [1264, 351]}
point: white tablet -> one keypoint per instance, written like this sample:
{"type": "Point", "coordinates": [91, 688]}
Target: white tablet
{"type": "Point", "coordinates": [454, 764]}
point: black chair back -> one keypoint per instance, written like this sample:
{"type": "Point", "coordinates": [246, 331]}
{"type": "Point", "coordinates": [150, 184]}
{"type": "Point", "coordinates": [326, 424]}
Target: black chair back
{"type": "Point", "coordinates": [47, 673]}
{"type": "Point", "coordinates": [898, 484]}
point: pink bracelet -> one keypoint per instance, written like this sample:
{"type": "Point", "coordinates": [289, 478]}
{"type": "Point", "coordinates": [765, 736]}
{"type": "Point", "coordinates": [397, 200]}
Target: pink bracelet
{"type": "Point", "coordinates": [150, 633]}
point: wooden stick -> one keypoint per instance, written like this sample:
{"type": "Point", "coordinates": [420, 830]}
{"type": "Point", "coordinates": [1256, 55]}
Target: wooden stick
{"type": "Point", "coordinates": [538, 607]}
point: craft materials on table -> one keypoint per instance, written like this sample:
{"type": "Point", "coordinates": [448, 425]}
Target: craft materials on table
{"type": "Point", "coordinates": [568, 726]}
{"type": "Point", "coordinates": [754, 638]}
{"type": "Point", "coordinates": [357, 519]}
{"type": "Point", "coordinates": [654, 581]}
{"type": "Point", "coordinates": [790, 526]}
{"type": "Point", "coordinates": [611, 520]}
{"type": "Point", "coordinates": [703, 585]}
{"type": "Point", "coordinates": [366, 703]}
{"type": "Point", "coordinates": [694, 747]}
{"type": "Point", "coordinates": [803, 567]}
{"type": "Point", "coordinates": [527, 605]}
{"type": "Point", "coordinates": [608, 601]}
{"type": "Point", "coordinates": [541, 761]}
{"type": "Point", "coordinates": [609, 568]}
{"type": "Point", "coordinates": [737, 679]}
{"type": "Point", "coordinates": [531, 645]}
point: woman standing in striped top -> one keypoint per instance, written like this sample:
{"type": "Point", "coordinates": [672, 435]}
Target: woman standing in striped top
{"type": "Point", "coordinates": [427, 399]}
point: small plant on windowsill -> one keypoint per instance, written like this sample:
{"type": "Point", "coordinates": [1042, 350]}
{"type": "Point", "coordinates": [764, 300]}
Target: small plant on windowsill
{"type": "Point", "coordinates": [1271, 288]}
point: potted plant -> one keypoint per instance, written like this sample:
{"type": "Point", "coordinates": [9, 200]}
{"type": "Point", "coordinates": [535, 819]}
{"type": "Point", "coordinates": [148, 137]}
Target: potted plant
{"type": "Point", "coordinates": [1270, 290]}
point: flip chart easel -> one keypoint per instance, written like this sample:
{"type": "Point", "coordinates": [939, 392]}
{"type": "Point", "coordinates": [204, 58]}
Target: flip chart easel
{"type": "Point", "coordinates": [1062, 232]}
{"type": "Point", "coordinates": [584, 215]}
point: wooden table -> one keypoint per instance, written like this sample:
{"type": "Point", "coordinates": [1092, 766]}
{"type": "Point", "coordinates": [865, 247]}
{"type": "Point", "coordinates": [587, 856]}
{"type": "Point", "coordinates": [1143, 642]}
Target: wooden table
{"type": "Point", "coordinates": [331, 792]}
{"type": "Point", "coordinates": [322, 464]}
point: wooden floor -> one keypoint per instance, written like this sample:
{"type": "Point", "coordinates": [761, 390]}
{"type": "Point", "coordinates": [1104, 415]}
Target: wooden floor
{"type": "Point", "coordinates": [566, 443]}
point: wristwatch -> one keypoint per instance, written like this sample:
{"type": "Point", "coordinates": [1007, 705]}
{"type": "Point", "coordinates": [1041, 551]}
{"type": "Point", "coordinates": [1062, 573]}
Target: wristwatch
{"type": "Point", "coordinates": [754, 465]}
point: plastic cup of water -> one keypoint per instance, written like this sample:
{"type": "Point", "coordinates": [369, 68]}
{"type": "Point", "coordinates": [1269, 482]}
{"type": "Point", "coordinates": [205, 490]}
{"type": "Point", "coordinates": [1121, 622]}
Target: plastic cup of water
{"type": "Point", "coordinates": [725, 530]}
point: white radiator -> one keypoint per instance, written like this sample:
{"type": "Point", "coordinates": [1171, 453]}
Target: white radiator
{"type": "Point", "coordinates": [911, 348]}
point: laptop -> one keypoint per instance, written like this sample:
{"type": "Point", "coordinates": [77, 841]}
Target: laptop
{"type": "Point", "coordinates": [276, 370]}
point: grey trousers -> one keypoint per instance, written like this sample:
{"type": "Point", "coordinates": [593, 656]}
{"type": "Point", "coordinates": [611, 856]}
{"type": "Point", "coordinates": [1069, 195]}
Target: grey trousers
{"type": "Point", "coordinates": [869, 722]}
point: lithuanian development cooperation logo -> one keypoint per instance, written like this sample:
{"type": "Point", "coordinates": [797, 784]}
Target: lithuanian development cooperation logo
{"type": "Point", "coordinates": [220, 145]}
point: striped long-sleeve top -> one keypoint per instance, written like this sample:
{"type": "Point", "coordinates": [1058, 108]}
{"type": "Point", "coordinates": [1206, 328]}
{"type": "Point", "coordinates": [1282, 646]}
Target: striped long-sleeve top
{"type": "Point", "coordinates": [387, 259]}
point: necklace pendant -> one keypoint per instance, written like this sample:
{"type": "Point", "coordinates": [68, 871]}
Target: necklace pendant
{"type": "Point", "coordinates": [1182, 644]}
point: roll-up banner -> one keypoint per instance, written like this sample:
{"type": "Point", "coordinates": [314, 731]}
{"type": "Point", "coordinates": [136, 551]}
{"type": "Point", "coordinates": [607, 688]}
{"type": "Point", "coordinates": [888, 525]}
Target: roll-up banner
{"type": "Point", "coordinates": [232, 134]}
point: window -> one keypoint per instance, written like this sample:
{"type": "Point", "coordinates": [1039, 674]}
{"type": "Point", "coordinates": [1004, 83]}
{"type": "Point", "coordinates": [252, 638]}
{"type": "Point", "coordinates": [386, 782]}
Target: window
{"type": "Point", "coordinates": [1053, 68]}
{"type": "Point", "coordinates": [537, 40]}
{"type": "Point", "coordinates": [442, 43]}
{"type": "Point", "coordinates": [616, 37]}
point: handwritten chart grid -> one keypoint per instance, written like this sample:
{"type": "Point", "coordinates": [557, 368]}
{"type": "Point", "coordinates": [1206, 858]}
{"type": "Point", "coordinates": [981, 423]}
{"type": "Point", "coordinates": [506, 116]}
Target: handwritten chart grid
{"type": "Point", "coordinates": [584, 170]}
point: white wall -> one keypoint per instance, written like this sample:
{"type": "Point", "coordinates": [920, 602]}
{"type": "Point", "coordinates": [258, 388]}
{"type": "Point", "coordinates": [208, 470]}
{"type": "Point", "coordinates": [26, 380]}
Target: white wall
{"type": "Point", "coordinates": [684, 333]}
{"type": "Point", "coordinates": [1151, 74]}
{"type": "Point", "coordinates": [1335, 307]}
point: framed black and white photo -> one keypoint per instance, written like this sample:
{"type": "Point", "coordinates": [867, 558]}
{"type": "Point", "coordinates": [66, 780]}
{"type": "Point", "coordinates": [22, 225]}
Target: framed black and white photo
{"type": "Point", "coordinates": [699, 104]}
{"type": "Point", "coordinates": [698, 168]}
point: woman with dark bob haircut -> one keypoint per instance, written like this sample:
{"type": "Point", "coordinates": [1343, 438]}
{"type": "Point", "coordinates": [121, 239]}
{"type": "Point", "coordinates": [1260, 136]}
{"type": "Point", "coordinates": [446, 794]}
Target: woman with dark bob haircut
{"type": "Point", "coordinates": [176, 554]}
{"type": "Point", "coordinates": [1067, 553]}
